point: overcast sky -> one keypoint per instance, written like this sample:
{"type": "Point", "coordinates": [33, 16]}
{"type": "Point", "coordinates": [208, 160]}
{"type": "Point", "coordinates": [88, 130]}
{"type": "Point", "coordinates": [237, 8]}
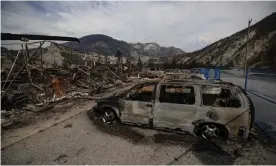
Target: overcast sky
{"type": "Point", "coordinates": [187, 25]}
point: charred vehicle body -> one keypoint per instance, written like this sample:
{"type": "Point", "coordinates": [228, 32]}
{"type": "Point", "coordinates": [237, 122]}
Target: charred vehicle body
{"type": "Point", "coordinates": [200, 107]}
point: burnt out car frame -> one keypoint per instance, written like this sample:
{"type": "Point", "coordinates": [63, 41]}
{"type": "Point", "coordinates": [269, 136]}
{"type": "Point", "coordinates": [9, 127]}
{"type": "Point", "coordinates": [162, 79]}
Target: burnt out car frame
{"type": "Point", "coordinates": [200, 107]}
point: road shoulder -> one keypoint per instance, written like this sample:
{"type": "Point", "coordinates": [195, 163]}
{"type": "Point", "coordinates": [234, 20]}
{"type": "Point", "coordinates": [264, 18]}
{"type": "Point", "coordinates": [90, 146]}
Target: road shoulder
{"type": "Point", "coordinates": [12, 136]}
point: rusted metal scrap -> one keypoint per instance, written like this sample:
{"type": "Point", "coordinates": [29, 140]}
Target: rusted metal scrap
{"type": "Point", "coordinates": [59, 86]}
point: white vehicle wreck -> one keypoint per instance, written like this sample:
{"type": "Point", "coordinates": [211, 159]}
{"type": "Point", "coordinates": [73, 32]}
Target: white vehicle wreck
{"type": "Point", "coordinates": [200, 107]}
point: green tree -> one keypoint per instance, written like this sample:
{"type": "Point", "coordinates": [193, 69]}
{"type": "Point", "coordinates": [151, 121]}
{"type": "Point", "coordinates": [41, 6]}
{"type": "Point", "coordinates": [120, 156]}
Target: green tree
{"type": "Point", "coordinates": [139, 64]}
{"type": "Point", "coordinates": [173, 64]}
{"type": "Point", "coordinates": [166, 64]}
{"type": "Point", "coordinates": [150, 63]}
{"type": "Point", "coordinates": [128, 65]}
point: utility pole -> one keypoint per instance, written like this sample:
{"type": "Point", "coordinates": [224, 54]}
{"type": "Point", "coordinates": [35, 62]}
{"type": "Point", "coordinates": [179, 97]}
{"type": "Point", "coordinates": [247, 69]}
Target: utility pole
{"type": "Point", "coordinates": [245, 58]}
{"type": "Point", "coordinates": [220, 61]}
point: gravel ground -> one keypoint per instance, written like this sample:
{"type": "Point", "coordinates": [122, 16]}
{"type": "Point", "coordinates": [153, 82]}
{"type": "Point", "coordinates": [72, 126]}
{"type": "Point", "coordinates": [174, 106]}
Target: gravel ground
{"type": "Point", "coordinates": [80, 141]}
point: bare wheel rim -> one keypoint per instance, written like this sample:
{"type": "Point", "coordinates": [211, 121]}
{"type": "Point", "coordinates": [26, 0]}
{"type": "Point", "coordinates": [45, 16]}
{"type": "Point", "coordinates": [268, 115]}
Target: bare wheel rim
{"type": "Point", "coordinates": [210, 131]}
{"type": "Point", "coordinates": [108, 117]}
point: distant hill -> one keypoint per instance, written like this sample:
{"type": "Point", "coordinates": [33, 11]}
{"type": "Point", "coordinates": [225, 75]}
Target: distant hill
{"type": "Point", "coordinates": [106, 45]}
{"type": "Point", "coordinates": [94, 45]}
{"type": "Point", "coordinates": [154, 50]}
{"type": "Point", "coordinates": [230, 51]}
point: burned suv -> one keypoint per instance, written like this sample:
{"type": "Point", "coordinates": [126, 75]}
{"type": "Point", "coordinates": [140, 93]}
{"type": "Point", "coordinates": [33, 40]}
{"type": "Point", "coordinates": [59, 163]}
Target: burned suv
{"type": "Point", "coordinates": [200, 107]}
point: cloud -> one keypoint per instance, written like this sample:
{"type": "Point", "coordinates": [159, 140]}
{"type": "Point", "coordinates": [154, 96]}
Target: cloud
{"type": "Point", "coordinates": [187, 25]}
{"type": "Point", "coordinates": [206, 38]}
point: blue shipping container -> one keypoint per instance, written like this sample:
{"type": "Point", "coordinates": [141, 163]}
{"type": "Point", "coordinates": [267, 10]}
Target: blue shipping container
{"type": "Point", "coordinates": [217, 73]}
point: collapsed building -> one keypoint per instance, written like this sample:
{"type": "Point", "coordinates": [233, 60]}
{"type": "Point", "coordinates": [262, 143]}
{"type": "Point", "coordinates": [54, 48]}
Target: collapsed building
{"type": "Point", "coordinates": [30, 82]}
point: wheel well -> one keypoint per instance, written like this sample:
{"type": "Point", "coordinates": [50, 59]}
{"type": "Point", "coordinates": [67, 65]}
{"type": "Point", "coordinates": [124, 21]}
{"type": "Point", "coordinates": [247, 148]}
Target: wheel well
{"type": "Point", "coordinates": [225, 134]}
{"type": "Point", "coordinates": [111, 109]}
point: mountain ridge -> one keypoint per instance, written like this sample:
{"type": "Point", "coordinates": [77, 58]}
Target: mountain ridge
{"type": "Point", "coordinates": [230, 51]}
{"type": "Point", "coordinates": [227, 52]}
{"type": "Point", "coordinates": [108, 46]}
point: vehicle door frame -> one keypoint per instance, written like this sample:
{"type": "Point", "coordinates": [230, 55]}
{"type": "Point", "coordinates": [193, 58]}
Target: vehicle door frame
{"type": "Point", "coordinates": [129, 116]}
{"type": "Point", "coordinates": [190, 109]}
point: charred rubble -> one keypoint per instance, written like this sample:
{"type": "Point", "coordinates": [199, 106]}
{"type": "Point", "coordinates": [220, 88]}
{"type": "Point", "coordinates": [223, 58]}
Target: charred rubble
{"type": "Point", "coordinates": [27, 88]}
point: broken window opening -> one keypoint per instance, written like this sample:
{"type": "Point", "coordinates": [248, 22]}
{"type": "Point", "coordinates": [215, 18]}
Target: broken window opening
{"type": "Point", "coordinates": [177, 94]}
{"type": "Point", "coordinates": [141, 93]}
{"type": "Point", "coordinates": [220, 97]}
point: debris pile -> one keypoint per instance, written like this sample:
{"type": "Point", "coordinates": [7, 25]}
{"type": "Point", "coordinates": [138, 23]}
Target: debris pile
{"type": "Point", "coordinates": [31, 84]}
{"type": "Point", "coordinates": [151, 74]}
{"type": "Point", "coordinates": [23, 94]}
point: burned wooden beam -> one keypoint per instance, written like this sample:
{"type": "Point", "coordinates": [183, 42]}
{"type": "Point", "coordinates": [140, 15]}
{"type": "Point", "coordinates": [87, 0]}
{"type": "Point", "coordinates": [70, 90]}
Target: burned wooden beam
{"type": "Point", "coordinates": [24, 37]}
{"type": "Point", "coordinates": [2, 94]}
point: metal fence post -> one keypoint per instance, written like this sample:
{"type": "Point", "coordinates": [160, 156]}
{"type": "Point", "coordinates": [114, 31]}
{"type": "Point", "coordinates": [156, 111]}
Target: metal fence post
{"type": "Point", "coordinates": [245, 61]}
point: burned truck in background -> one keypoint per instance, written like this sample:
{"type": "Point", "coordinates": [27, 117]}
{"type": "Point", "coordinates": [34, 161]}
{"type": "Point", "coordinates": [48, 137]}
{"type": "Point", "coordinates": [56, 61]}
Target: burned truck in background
{"type": "Point", "coordinates": [211, 109]}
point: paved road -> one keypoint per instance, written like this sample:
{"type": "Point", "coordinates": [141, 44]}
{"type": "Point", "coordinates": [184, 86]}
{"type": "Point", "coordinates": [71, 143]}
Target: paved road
{"type": "Point", "coordinates": [79, 141]}
{"type": "Point", "coordinates": [261, 84]}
